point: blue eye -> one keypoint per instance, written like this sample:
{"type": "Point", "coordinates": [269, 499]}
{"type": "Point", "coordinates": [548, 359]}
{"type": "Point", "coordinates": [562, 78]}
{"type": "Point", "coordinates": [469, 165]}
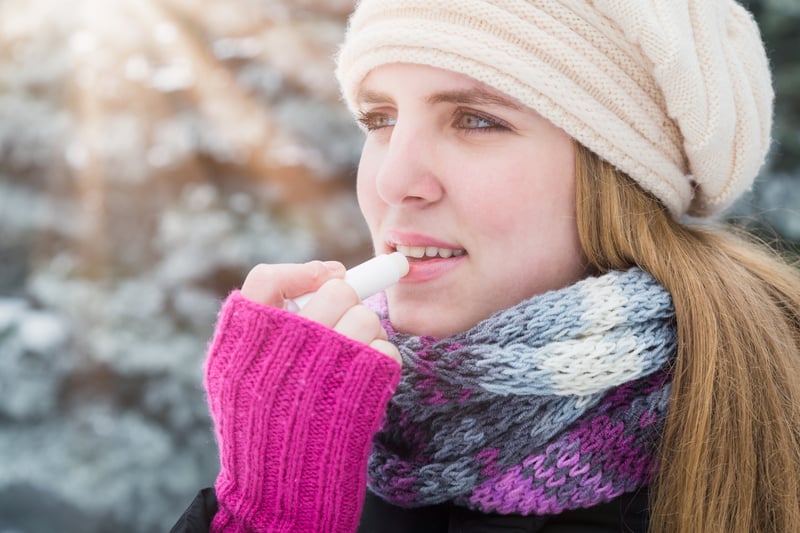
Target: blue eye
{"type": "Point", "coordinates": [469, 120]}
{"type": "Point", "coordinates": [375, 121]}
{"type": "Point", "coordinates": [474, 121]}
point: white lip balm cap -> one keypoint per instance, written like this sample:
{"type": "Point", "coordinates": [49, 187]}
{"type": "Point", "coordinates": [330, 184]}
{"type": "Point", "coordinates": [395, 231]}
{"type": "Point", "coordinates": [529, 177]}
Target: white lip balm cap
{"type": "Point", "coordinates": [368, 278]}
{"type": "Point", "coordinates": [378, 273]}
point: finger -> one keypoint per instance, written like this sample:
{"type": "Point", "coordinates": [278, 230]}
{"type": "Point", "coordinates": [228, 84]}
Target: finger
{"type": "Point", "coordinates": [330, 303]}
{"type": "Point", "coordinates": [387, 348]}
{"type": "Point", "coordinates": [272, 284]}
{"type": "Point", "coordinates": [360, 324]}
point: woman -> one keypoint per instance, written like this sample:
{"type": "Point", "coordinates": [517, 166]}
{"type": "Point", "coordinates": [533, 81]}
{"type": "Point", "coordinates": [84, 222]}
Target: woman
{"type": "Point", "coordinates": [578, 354]}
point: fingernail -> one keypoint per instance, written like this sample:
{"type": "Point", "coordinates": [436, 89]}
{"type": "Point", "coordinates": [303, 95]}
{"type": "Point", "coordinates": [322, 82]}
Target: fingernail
{"type": "Point", "coordinates": [334, 267]}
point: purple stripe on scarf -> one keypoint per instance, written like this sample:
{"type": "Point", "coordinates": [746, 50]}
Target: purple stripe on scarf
{"type": "Point", "coordinates": [600, 459]}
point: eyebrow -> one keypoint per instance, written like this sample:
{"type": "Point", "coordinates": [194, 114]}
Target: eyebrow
{"type": "Point", "coordinates": [366, 96]}
{"type": "Point", "coordinates": [471, 96]}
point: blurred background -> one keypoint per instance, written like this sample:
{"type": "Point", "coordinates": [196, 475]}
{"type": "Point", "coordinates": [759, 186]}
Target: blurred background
{"type": "Point", "coordinates": [151, 152]}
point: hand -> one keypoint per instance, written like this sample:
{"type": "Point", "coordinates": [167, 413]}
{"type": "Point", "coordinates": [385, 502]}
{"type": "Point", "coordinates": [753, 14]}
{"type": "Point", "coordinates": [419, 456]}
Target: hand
{"type": "Point", "coordinates": [335, 304]}
{"type": "Point", "coordinates": [292, 402]}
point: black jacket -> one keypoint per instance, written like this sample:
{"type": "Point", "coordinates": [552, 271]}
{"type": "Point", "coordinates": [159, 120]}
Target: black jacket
{"type": "Point", "coordinates": [626, 514]}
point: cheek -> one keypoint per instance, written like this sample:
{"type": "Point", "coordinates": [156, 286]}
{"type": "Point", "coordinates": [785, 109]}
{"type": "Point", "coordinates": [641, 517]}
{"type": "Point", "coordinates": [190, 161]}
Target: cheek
{"type": "Point", "coordinates": [521, 199]}
{"type": "Point", "coordinates": [365, 188]}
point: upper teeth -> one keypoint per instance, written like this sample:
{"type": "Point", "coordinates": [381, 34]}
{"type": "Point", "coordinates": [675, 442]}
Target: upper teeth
{"type": "Point", "coordinates": [428, 251]}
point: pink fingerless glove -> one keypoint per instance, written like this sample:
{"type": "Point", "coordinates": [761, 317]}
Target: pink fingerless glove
{"type": "Point", "coordinates": [295, 406]}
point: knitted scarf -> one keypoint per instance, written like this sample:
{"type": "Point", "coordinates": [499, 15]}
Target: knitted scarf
{"type": "Point", "coordinates": [556, 403]}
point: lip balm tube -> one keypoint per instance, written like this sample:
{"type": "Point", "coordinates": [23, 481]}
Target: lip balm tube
{"type": "Point", "coordinates": [368, 278]}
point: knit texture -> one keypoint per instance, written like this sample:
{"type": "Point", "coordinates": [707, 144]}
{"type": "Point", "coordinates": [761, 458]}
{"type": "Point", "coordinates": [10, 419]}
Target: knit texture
{"type": "Point", "coordinates": [295, 406]}
{"type": "Point", "coordinates": [557, 403]}
{"type": "Point", "coordinates": [675, 93]}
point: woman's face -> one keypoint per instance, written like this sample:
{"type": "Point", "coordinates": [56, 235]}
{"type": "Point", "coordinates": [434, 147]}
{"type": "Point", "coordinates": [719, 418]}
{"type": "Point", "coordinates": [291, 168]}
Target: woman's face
{"type": "Point", "coordinates": [477, 189]}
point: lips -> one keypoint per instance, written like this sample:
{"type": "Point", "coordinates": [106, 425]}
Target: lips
{"type": "Point", "coordinates": [429, 258]}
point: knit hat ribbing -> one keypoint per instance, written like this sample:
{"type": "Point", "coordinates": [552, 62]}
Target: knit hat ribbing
{"type": "Point", "coordinates": [675, 93]}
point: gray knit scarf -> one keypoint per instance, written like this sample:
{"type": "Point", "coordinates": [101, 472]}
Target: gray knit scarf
{"type": "Point", "coordinates": [556, 403]}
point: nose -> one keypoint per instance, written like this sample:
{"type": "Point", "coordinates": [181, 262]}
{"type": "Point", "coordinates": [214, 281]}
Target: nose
{"type": "Point", "coordinates": [407, 172]}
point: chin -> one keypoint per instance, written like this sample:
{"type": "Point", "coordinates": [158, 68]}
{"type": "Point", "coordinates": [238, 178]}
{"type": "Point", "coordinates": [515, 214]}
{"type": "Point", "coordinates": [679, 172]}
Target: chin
{"type": "Point", "coordinates": [408, 319]}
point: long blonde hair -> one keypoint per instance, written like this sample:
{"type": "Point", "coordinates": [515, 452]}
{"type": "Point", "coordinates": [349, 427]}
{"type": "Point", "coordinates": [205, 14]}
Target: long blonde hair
{"type": "Point", "coordinates": [730, 454]}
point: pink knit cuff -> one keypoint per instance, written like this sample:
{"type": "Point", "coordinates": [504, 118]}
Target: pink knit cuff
{"type": "Point", "coordinates": [295, 406]}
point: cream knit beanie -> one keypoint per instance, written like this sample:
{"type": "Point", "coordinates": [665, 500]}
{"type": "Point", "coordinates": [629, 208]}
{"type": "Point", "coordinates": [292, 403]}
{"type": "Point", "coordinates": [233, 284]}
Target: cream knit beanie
{"type": "Point", "coordinates": [675, 93]}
